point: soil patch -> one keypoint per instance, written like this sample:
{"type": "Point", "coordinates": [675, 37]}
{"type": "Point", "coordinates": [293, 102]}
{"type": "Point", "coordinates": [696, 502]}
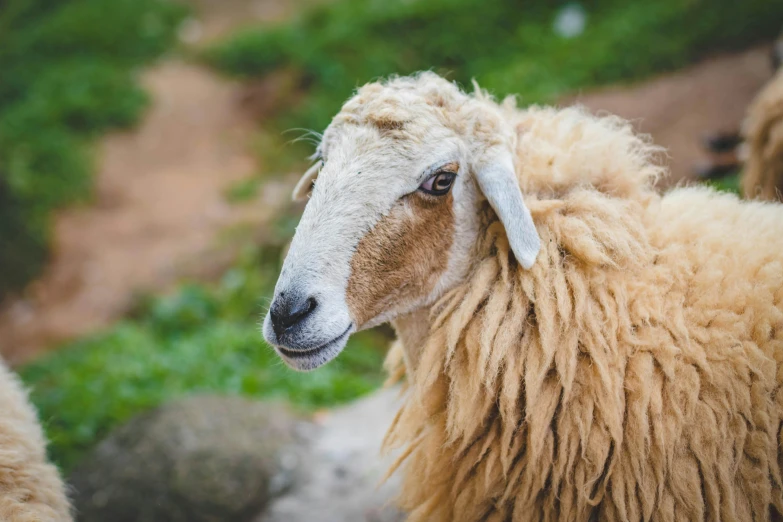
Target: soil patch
{"type": "Point", "coordinates": [159, 204]}
{"type": "Point", "coordinates": [678, 109]}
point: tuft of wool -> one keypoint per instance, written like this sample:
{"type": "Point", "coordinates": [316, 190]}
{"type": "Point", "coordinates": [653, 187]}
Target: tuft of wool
{"type": "Point", "coordinates": [763, 129]}
{"type": "Point", "coordinates": [31, 489]}
{"type": "Point", "coordinates": [632, 374]}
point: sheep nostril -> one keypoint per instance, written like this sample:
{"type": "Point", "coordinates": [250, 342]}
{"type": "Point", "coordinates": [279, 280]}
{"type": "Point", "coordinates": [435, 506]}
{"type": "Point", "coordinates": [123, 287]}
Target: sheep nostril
{"type": "Point", "coordinates": [286, 313]}
{"type": "Point", "coordinates": [311, 304]}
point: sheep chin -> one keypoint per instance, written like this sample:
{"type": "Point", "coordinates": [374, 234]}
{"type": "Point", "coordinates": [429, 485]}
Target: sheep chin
{"type": "Point", "coordinates": [311, 359]}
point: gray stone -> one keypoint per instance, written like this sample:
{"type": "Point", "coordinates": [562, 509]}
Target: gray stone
{"type": "Point", "coordinates": [342, 479]}
{"type": "Point", "coordinates": [199, 459]}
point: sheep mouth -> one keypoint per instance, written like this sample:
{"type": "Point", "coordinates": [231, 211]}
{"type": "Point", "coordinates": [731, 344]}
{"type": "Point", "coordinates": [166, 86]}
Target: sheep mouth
{"type": "Point", "coordinates": [314, 357]}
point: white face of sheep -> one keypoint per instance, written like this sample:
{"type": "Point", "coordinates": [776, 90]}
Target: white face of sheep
{"type": "Point", "coordinates": [390, 225]}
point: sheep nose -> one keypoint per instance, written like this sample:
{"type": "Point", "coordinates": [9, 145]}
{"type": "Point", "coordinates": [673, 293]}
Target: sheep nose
{"type": "Point", "coordinates": [290, 310]}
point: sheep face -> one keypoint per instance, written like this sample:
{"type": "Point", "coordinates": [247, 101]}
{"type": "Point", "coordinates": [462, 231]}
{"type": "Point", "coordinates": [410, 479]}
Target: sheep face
{"type": "Point", "coordinates": [393, 216]}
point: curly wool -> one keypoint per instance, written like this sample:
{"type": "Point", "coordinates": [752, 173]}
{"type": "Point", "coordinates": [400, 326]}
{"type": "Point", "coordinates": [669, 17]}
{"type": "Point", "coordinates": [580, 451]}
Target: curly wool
{"type": "Point", "coordinates": [30, 488]}
{"type": "Point", "coordinates": [632, 374]}
{"type": "Point", "coordinates": [763, 131]}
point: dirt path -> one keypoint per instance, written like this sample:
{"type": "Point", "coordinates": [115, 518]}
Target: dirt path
{"type": "Point", "coordinates": [159, 193]}
{"type": "Point", "coordinates": [678, 109]}
{"type": "Point", "coordinates": [219, 17]}
{"type": "Point", "coordinates": [158, 205]}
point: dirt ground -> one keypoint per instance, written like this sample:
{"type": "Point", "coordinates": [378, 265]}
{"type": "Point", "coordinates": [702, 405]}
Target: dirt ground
{"type": "Point", "coordinates": [158, 208]}
{"type": "Point", "coordinates": [219, 17]}
{"type": "Point", "coordinates": [159, 204]}
{"type": "Point", "coordinates": [678, 109]}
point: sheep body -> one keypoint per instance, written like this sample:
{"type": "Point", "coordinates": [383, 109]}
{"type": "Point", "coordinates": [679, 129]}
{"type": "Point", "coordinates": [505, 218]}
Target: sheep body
{"type": "Point", "coordinates": [632, 374]}
{"type": "Point", "coordinates": [763, 148]}
{"type": "Point", "coordinates": [30, 488]}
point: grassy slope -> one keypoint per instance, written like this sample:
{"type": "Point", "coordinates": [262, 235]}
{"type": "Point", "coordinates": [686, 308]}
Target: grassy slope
{"type": "Point", "coordinates": [508, 46]}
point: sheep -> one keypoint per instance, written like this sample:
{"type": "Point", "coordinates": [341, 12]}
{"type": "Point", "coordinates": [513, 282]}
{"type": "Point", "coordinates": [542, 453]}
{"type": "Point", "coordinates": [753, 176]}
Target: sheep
{"type": "Point", "coordinates": [763, 131]}
{"type": "Point", "coordinates": [575, 346]}
{"type": "Point", "coordinates": [30, 488]}
{"type": "Point", "coordinates": [758, 145]}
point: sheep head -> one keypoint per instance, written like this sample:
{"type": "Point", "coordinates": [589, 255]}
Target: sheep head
{"type": "Point", "coordinates": [394, 212]}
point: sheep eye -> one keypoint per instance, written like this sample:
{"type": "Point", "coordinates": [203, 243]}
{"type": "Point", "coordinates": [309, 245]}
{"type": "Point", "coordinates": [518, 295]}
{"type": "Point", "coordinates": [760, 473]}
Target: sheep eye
{"type": "Point", "coordinates": [439, 184]}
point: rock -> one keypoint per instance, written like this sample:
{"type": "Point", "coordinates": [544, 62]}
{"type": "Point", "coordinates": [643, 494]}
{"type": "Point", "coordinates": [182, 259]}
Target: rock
{"type": "Point", "coordinates": [199, 459]}
{"type": "Point", "coordinates": [342, 479]}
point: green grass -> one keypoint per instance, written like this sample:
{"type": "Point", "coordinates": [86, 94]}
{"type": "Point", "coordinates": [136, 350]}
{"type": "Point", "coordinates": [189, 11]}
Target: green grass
{"type": "Point", "coordinates": [508, 46]}
{"type": "Point", "coordinates": [198, 339]}
{"type": "Point", "coordinates": [730, 183]}
{"type": "Point", "coordinates": [243, 191]}
{"type": "Point", "coordinates": [69, 73]}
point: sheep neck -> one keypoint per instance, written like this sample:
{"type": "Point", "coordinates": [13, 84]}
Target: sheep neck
{"type": "Point", "coordinates": [412, 331]}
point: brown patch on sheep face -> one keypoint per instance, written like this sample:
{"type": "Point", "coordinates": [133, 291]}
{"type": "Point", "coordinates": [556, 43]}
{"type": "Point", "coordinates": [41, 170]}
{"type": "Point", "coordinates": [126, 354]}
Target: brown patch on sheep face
{"type": "Point", "coordinates": [400, 260]}
{"type": "Point", "coordinates": [388, 124]}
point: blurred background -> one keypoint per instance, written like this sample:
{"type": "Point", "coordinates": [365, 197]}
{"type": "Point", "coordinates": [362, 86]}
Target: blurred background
{"type": "Point", "coordinates": [148, 149]}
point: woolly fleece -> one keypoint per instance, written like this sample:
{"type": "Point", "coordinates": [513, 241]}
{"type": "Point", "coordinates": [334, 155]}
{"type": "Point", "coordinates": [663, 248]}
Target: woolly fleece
{"type": "Point", "coordinates": [763, 129]}
{"type": "Point", "coordinates": [632, 374]}
{"type": "Point", "coordinates": [30, 488]}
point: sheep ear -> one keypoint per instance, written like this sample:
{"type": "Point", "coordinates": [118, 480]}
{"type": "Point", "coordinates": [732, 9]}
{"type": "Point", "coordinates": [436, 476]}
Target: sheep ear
{"type": "Point", "coordinates": [302, 189]}
{"type": "Point", "coordinates": [498, 181]}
